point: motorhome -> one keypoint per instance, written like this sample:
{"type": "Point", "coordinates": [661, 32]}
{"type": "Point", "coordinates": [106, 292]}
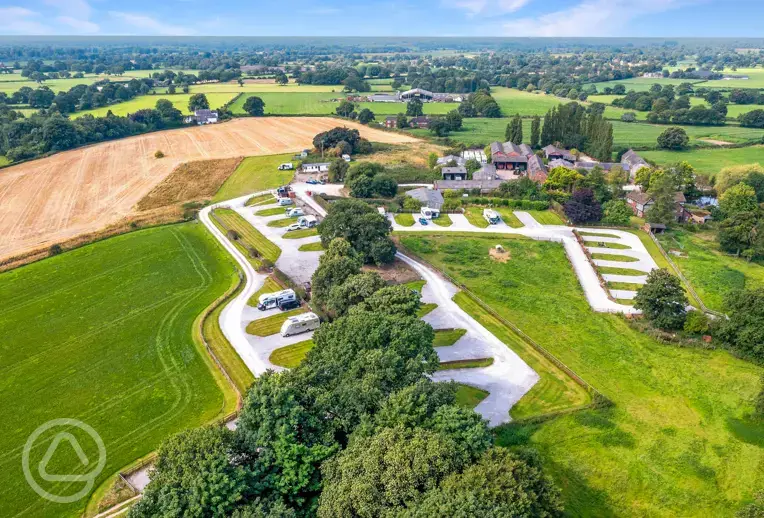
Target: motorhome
{"type": "Point", "coordinates": [286, 167]}
{"type": "Point", "coordinates": [300, 324]}
{"type": "Point", "coordinates": [285, 201]}
{"type": "Point", "coordinates": [294, 212]}
{"type": "Point", "coordinates": [428, 213]}
{"type": "Point", "coordinates": [491, 216]}
{"type": "Point", "coordinates": [308, 221]}
{"type": "Point", "coordinates": [271, 300]}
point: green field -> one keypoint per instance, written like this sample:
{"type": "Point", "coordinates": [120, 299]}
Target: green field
{"type": "Point", "coordinates": [405, 219]}
{"type": "Point", "coordinates": [255, 174]}
{"type": "Point", "coordinates": [708, 161]}
{"type": "Point", "coordinates": [312, 247]}
{"type": "Point", "coordinates": [271, 325]}
{"type": "Point", "coordinates": [469, 397]}
{"type": "Point", "coordinates": [292, 355]}
{"type": "Point", "coordinates": [103, 334]}
{"type": "Point", "coordinates": [734, 110]}
{"type": "Point", "coordinates": [711, 272]}
{"type": "Point", "coordinates": [180, 101]}
{"type": "Point", "coordinates": [299, 234]}
{"type": "Point", "coordinates": [446, 337]}
{"type": "Point", "coordinates": [546, 217]}
{"type": "Point", "coordinates": [248, 235]}
{"type": "Point", "coordinates": [643, 84]}
{"type": "Point", "coordinates": [512, 101]}
{"type": "Point", "coordinates": [678, 441]}
{"type": "Point", "coordinates": [755, 79]}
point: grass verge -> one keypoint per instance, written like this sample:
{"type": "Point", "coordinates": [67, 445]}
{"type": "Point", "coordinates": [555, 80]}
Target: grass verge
{"type": "Point", "coordinates": [292, 355]}
{"type": "Point", "coordinates": [273, 211]}
{"type": "Point", "coordinates": [405, 219]}
{"type": "Point", "coordinates": [613, 257]}
{"type": "Point", "coordinates": [281, 223]}
{"type": "Point", "coordinates": [468, 396]}
{"type": "Point", "coordinates": [269, 286]}
{"type": "Point", "coordinates": [446, 337]}
{"type": "Point", "coordinates": [426, 309]}
{"type": "Point", "coordinates": [271, 325]}
{"type": "Point", "coordinates": [466, 364]}
{"type": "Point", "coordinates": [299, 234]}
{"type": "Point", "coordinates": [312, 247]}
{"type": "Point", "coordinates": [444, 220]}
{"type": "Point", "coordinates": [475, 216]}
{"type": "Point", "coordinates": [249, 235]}
{"type": "Point", "coordinates": [259, 200]}
{"type": "Point", "coordinates": [612, 270]}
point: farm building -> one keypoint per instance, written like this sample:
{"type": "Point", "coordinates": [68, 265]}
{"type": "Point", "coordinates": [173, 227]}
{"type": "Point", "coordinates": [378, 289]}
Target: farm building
{"type": "Point", "coordinates": [552, 152]}
{"type": "Point", "coordinates": [423, 121]}
{"type": "Point", "coordinates": [318, 167]}
{"type": "Point", "coordinates": [415, 93]}
{"type": "Point", "coordinates": [641, 202]}
{"type": "Point", "coordinates": [203, 117]}
{"type": "Point", "coordinates": [475, 154]}
{"type": "Point", "coordinates": [537, 169]}
{"type": "Point", "coordinates": [429, 198]}
{"type": "Point", "coordinates": [508, 156]}
{"type": "Point", "coordinates": [454, 173]}
{"type": "Point", "coordinates": [487, 172]}
{"type": "Point", "coordinates": [445, 160]}
{"type": "Point", "coordinates": [632, 162]}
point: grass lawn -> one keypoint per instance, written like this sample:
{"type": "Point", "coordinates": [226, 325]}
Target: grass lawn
{"type": "Point", "coordinates": [259, 200]}
{"type": "Point", "coordinates": [274, 211]}
{"type": "Point", "coordinates": [405, 219]}
{"type": "Point", "coordinates": [254, 174]}
{"type": "Point", "coordinates": [466, 364]}
{"type": "Point", "coordinates": [469, 397]}
{"type": "Point", "coordinates": [512, 101]}
{"type": "Point", "coordinates": [416, 285]}
{"type": "Point", "coordinates": [677, 442]}
{"type": "Point", "coordinates": [508, 217]}
{"type": "Point", "coordinates": [249, 235]}
{"type": "Point", "coordinates": [619, 271]}
{"type": "Point", "coordinates": [614, 246]}
{"type": "Point", "coordinates": [271, 325]}
{"type": "Point", "coordinates": [626, 302]}
{"type": "Point", "coordinates": [105, 334]}
{"type": "Point", "coordinates": [426, 309]}
{"type": "Point", "coordinates": [299, 234]}
{"type": "Point", "coordinates": [312, 247]}
{"type": "Point", "coordinates": [179, 101]}
{"type": "Point", "coordinates": [283, 222]}
{"type": "Point", "coordinates": [446, 337]}
{"type": "Point", "coordinates": [708, 161]}
{"type": "Point", "coordinates": [597, 234]}
{"type": "Point", "coordinates": [292, 355]}
{"type": "Point", "coordinates": [711, 272]}
{"type": "Point", "coordinates": [623, 286]}
{"type": "Point", "coordinates": [269, 286]}
{"type": "Point", "coordinates": [475, 216]}
{"type": "Point", "coordinates": [444, 220]}
{"type": "Point", "coordinates": [546, 217]}
{"type": "Point", "coordinates": [613, 257]}
{"type": "Point", "coordinates": [4, 160]}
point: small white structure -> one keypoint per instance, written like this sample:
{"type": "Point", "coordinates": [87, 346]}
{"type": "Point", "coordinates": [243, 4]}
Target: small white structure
{"type": "Point", "coordinates": [308, 221]}
{"type": "Point", "coordinates": [381, 211]}
{"type": "Point", "coordinates": [203, 117]}
{"type": "Point", "coordinates": [319, 167]}
{"type": "Point", "coordinates": [491, 216]}
{"type": "Point", "coordinates": [288, 166]}
{"type": "Point", "coordinates": [346, 157]}
{"type": "Point", "coordinates": [428, 213]}
{"type": "Point", "coordinates": [300, 324]}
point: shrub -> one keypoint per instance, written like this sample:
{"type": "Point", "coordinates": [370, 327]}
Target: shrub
{"type": "Point", "coordinates": [55, 250]}
{"type": "Point", "coordinates": [696, 322]}
{"type": "Point", "coordinates": [411, 204]}
{"type": "Point", "coordinates": [673, 138]}
{"type": "Point", "coordinates": [232, 235]}
{"type": "Point", "coordinates": [158, 154]}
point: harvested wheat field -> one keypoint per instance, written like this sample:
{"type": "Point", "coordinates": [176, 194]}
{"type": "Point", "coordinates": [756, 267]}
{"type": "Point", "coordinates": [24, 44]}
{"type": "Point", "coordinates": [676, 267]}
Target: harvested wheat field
{"type": "Point", "coordinates": [46, 201]}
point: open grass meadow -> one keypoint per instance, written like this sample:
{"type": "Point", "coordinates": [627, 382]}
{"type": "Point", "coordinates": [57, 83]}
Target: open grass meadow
{"type": "Point", "coordinates": [643, 84]}
{"type": "Point", "coordinates": [255, 174]}
{"type": "Point", "coordinates": [708, 161]}
{"type": "Point", "coordinates": [103, 334]}
{"type": "Point", "coordinates": [179, 101]}
{"type": "Point", "coordinates": [678, 441]}
{"type": "Point", "coordinates": [248, 235]}
{"type": "Point", "coordinates": [711, 272]}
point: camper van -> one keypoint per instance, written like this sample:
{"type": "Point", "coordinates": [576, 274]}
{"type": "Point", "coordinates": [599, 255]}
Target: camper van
{"type": "Point", "coordinates": [294, 212]}
{"type": "Point", "coordinates": [271, 300]}
{"type": "Point", "coordinates": [286, 167]}
{"type": "Point", "coordinates": [491, 216]}
{"type": "Point", "coordinates": [307, 221]}
{"type": "Point", "coordinates": [300, 324]}
{"type": "Point", "coordinates": [285, 201]}
{"type": "Point", "coordinates": [428, 213]}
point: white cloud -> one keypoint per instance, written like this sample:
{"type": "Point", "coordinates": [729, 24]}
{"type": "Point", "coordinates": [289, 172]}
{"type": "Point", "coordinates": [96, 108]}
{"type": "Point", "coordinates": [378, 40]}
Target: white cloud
{"type": "Point", "coordinates": [72, 8]}
{"type": "Point", "coordinates": [475, 7]}
{"type": "Point", "coordinates": [20, 20]}
{"type": "Point", "coordinates": [148, 25]}
{"type": "Point", "coordinates": [591, 18]}
{"type": "Point", "coordinates": [81, 26]}
{"type": "Point", "coordinates": [511, 6]}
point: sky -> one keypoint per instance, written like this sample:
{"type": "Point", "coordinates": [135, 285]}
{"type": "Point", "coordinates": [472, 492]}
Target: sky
{"type": "Point", "coordinates": [484, 18]}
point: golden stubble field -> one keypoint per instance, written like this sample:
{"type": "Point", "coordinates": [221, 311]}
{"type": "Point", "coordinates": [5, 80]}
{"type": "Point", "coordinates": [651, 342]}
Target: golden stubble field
{"type": "Point", "coordinates": [46, 201]}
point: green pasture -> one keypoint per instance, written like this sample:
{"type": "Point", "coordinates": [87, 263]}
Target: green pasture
{"type": "Point", "coordinates": [10, 83]}
{"type": "Point", "coordinates": [643, 84]}
{"type": "Point", "coordinates": [711, 272]}
{"type": "Point", "coordinates": [103, 334]}
{"type": "Point", "coordinates": [179, 101]}
{"type": "Point", "coordinates": [677, 442]}
{"type": "Point", "coordinates": [255, 174]}
{"type": "Point", "coordinates": [708, 161]}
{"type": "Point", "coordinates": [735, 110]}
{"type": "Point", "coordinates": [755, 79]}
{"type": "Point", "coordinates": [248, 235]}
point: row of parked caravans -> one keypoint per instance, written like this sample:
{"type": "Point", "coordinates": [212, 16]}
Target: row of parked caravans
{"type": "Point", "coordinates": [286, 300]}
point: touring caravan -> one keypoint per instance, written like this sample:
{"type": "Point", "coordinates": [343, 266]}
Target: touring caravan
{"type": "Point", "coordinates": [300, 324]}
{"type": "Point", "coordinates": [271, 300]}
{"type": "Point", "coordinates": [491, 216]}
{"type": "Point", "coordinates": [308, 221]}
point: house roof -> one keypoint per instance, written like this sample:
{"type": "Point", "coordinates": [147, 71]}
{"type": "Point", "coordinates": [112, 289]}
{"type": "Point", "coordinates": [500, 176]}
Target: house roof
{"type": "Point", "coordinates": [525, 149]}
{"type": "Point", "coordinates": [536, 169]}
{"type": "Point", "coordinates": [559, 162]}
{"type": "Point", "coordinates": [420, 118]}
{"type": "Point", "coordinates": [468, 184]}
{"type": "Point", "coordinates": [417, 91]}
{"type": "Point", "coordinates": [459, 169]}
{"type": "Point", "coordinates": [448, 158]}
{"type": "Point", "coordinates": [431, 197]}
{"type": "Point", "coordinates": [632, 158]}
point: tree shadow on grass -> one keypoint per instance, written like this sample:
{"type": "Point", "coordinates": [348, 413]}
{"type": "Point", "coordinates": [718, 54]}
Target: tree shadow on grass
{"type": "Point", "coordinates": [747, 430]}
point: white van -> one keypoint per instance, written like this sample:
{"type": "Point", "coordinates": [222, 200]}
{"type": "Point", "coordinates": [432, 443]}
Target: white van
{"type": "Point", "coordinates": [428, 213]}
{"type": "Point", "coordinates": [491, 216]}
{"type": "Point", "coordinates": [271, 300]}
{"type": "Point", "coordinates": [286, 167]}
{"type": "Point", "coordinates": [285, 201]}
{"type": "Point", "coordinates": [300, 324]}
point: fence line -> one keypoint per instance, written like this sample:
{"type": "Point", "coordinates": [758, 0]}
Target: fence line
{"type": "Point", "coordinates": [686, 281]}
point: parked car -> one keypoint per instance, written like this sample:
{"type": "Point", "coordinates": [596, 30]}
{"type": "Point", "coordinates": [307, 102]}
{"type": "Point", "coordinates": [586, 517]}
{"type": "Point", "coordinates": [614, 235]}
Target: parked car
{"type": "Point", "coordinates": [286, 305]}
{"type": "Point", "coordinates": [271, 300]}
{"type": "Point", "coordinates": [285, 201]}
{"type": "Point", "coordinates": [294, 212]}
{"type": "Point", "coordinates": [312, 181]}
{"type": "Point", "coordinates": [491, 216]}
{"type": "Point", "coordinates": [300, 324]}
{"type": "Point", "coordinates": [423, 221]}
{"type": "Point", "coordinates": [294, 226]}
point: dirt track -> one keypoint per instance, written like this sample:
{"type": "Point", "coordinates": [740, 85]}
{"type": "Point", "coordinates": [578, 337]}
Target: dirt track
{"type": "Point", "coordinates": [49, 200]}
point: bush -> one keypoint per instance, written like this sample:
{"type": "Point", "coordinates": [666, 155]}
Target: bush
{"type": "Point", "coordinates": [696, 322]}
{"type": "Point", "coordinates": [232, 235]}
{"type": "Point", "coordinates": [159, 154]}
{"type": "Point", "coordinates": [673, 138]}
{"type": "Point", "coordinates": [55, 250]}
{"type": "Point", "coordinates": [411, 204]}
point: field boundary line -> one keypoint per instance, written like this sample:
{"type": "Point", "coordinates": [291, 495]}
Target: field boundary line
{"type": "Point", "coordinates": [596, 394]}
{"type": "Point", "coordinates": [684, 279]}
